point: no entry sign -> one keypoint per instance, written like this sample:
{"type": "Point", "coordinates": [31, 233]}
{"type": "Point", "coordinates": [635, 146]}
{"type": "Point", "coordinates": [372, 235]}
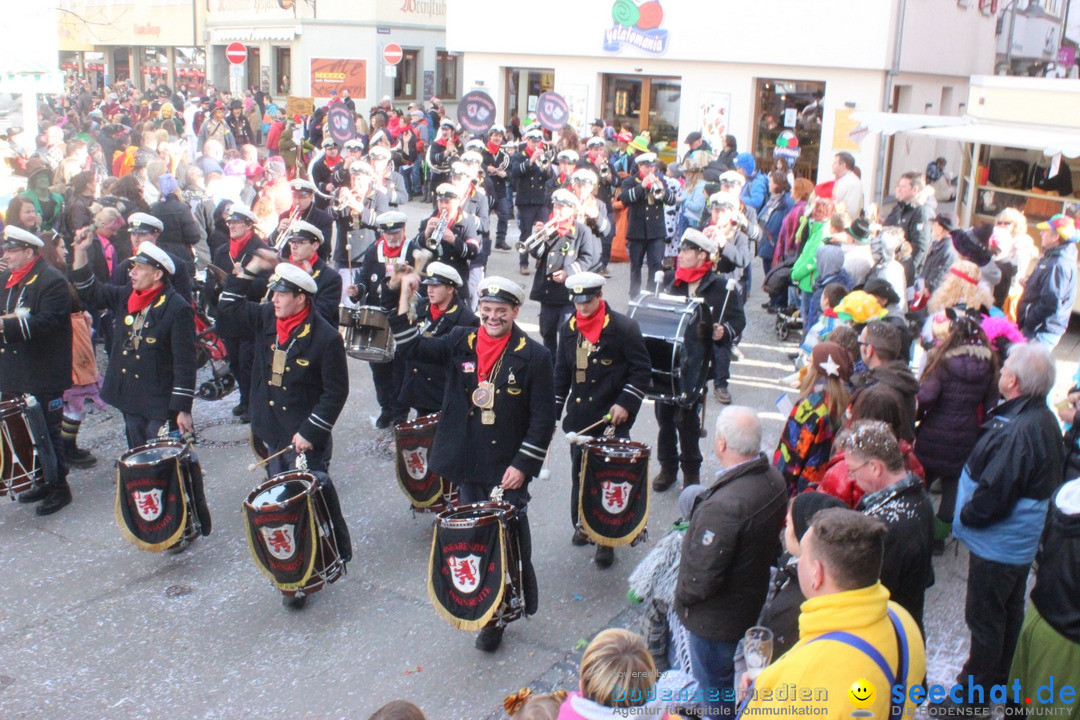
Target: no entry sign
{"type": "Point", "coordinates": [392, 53]}
{"type": "Point", "coordinates": [236, 53]}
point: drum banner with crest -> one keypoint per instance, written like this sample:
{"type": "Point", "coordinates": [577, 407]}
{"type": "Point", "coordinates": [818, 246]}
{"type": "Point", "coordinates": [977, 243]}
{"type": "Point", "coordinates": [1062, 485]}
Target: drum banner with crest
{"type": "Point", "coordinates": [412, 444]}
{"type": "Point", "coordinates": [467, 573]}
{"type": "Point", "coordinates": [282, 540]}
{"type": "Point", "coordinates": [151, 509]}
{"type": "Point", "coordinates": [613, 499]}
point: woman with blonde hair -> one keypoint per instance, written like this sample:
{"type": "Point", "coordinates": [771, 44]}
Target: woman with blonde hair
{"type": "Point", "coordinates": [1013, 252]}
{"type": "Point", "coordinates": [170, 122]}
{"type": "Point", "coordinates": [961, 287]}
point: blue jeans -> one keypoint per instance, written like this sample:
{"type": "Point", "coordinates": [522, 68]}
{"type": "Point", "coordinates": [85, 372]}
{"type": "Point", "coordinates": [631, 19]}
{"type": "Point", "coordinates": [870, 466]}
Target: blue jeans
{"type": "Point", "coordinates": [713, 663]}
{"type": "Point", "coordinates": [1050, 340]}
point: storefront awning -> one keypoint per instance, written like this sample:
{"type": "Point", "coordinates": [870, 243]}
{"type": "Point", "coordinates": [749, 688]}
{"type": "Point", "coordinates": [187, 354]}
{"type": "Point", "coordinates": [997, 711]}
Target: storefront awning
{"type": "Point", "coordinates": [1049, 141]}
{"type": "Point", "coordinates": [891, 123]}
{"type": "Point", "coordinates": [221, 36]}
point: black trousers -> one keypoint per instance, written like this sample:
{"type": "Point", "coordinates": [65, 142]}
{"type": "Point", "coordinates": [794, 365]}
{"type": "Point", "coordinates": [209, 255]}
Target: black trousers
{"type": "Point", "coordinates": [473, 493]}
{"type": "Point", "coordinates": [994, 611]}
{"type": "Point", "coordinates": [502, 212]}
{"type": "Point", "coordinates": [387, 378]}
{"type": "Point", "coordinates": [577, 452]}
{"type": "Point", "coordinates": [241, 358]}
{"type": "Point", "coordinates": [721, 363]}
{"type": "Point", "coordinates": [679, 428]}
{"type": "Point", "coordinates": [141, 429]}
{"type": "Point", "coordinates": [52, 406]}
{"type": "Point", "coordinates": [551, 318]}
{"type": "Point", "coordinates": [527, 215]}
{"type": "Point", "coordinates": [649, 252]}
{"type": "Point", "coordinates": [318, 463]}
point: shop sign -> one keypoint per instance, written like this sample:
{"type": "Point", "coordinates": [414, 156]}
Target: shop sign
{"type": "Point", "coordinates": [338, 74]}
{"type": "Point", "coordinates": [636, 24]}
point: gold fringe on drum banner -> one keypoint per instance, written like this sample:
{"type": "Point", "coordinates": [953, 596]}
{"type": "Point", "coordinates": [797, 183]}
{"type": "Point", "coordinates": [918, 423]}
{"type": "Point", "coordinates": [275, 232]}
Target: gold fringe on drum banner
{"type": "Point", "coordinates": [613, 491]}
{"type": "Point", "coordinates": [310, 560]}
{"type": "Point", "coordinates": [483, 577]}
{"type": "Point", "coordinates": [173, 538]}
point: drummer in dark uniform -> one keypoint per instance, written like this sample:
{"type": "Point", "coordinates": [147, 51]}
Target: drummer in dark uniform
{"type": "Point", "coordinates": [151, 373]}
{"type": "Point", "coordinates": [680, 427]}
{"type": "Point", "coordinates": [35, 353]}
{"type": "Point", "coordinates": [145, 228]}
{"type": "Point", "coordinates": [300, 380]}
{"type": "Point", "coordinates": [305, 240]}
{"type": "Point", "coordinates": [436, 315]}
{"type": "Point", "coordinates": [602, 370]}
{"type": "Point", "coordinates": [244, 244]}
{"type": "Point", "coordinates": [571, 249]}
{"type": "Point", "coordinates": [498, 410]}
{"type": "Point", "coordinates": [460, 242]}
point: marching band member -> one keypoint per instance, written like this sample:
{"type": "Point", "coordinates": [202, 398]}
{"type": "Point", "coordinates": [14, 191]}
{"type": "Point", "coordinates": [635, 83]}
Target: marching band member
{"type": "Point", "coordinates": [360, 206]}
{"type": "Point", "coordinates": [732, 182]}
{"type": "Point", "coordinates": [322, 171]}
{"type": "Point", "coordinates": [304, 208]}
{"type": "Point", "coordinates": [596, 159]}
{"type": "Point", "coordinates": [498, 410]}
{"type": "Point", "coordinates": [145, 228]}
{"type": "Point", "coordinates": [591, 211]}
{"type": "Point", "coordinates": [386, 177]}
{"type": "Point", "coordinates": [726, 223]}
{"type": "Point", "coordinates": [304, 242]}
{"type": "Point", "coordinates": [468, 177]}
{"type": "Point", "coordinates": [566, 248]}
{"type": "Point", "coordinates": [151, 372]}
{"type": "Point", "coordinates": [602, 368]}
{"type": "Point", "coordinates": [441, 154]}
{"type": "Point", "coordinates": [460, 241]}
{"type": "Point", "coordinates": [497, 167]}
{"type": "Point", "coordinates": [353, 150]}
{"type": "Point", "coordinates": [243, 245]}
{"type": "Point", "coordinates": [681, 426]}
{"type": "Point", "coordinates": [567, 161]}
{"type": "Point", "coordinates": [436, 315]}
{"type": "Point", "coordinates": [529, 176]}
{"type": "Point", "coordinates": [301, 380]}
{"type": "Point", "coordinates": [35, 352]}
{"type": "Point", "coordinates": [645, 196]}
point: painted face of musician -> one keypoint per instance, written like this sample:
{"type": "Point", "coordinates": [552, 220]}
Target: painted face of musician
{"type": "Point", "coordinates": [302, 249]}
{"type": "Point", "coordinates": [394, 238]}
{"type": "Point", "coordinates": [287, 304]}
{"type": "Point", "coordinates": [722, 216]}
{"type": "Point", "coordinates": [144, 277]}
{"type": "Point", "coordinates": [19, 257]}
{"type": "Point", "coordinates": [588, 309]}
{"type": "Point", "coordinates": [497, 317]}
{"type": "Point", "coordinates": [691, 256]}
{"type": "Point", "coordinates": [239, 228]}
{"type": "Point", "coordinates": [440, 295]}
{"type": "Point", "coordinates": [450, 205]}
{"type": "Point", "coordinates": [333, 151]}
{"type": "Point", "coordinates": [302, 199]}
{"type": "Point", "coordinates": [445, 133]}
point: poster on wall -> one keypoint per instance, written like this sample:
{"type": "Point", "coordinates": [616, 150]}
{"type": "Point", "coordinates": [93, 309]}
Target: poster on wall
{"type": "Point", "coordinates": [338, 75]}
{"type": "Point", "coordinates": [577, 100]}
{"type": "Point", "coordinates": [714, 109]}
{"type": "Point", "coordinates": [845, 136]}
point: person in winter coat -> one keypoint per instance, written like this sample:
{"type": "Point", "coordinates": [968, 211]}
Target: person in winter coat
{"type": "Point", "coordinates": [756, 190]}
{"type": "Point", "coordinates": [912, 216]}
{"type": "Point", "coordinates": [811, 235]}
{"type": "Point", "coordinates": [885, 247]}
{"type": "Point", "coordinates": [1046, 306]}
{"type": "Point", "coordinates": [879, 347]}
{"type": "Point", "coordinates": [896, 497]}
{"type": "Point", "coordinates": [957, 389]}
{"type": "Point", "coordinates": [1001, 506]}
{"type": "Point", "coordinates": [807, 438]}
{"type": "Point", "coordinates": [939, 259]}
{"type": "Point", "coordinates": [1048, 651]}
{"type": "Point", "coordinates": [771, 218]}
{"type": "Point", "coordinates": [181, 232]}
{"type": "Point", "coordinates": [239, 126]}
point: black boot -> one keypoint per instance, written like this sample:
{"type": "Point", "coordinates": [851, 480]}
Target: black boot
{"type": "Point", "coordinates": [604, 557]}
{"type": "Point", "coordinates": [59, 496]}
{"type": "Point", "coordinates": [76, 456]}
{"type": "Point", "coordinates": [294, 602]}
{"type": "Point", "coordinates": [489, 639]}
{"type": "Point", "coordinates": [34, 495]}
{"type": "Point", "coordinates": [663, 480]}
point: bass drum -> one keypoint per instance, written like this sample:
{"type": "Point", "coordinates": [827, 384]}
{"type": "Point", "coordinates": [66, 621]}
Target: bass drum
{"type": "Point", "coordinates": [678, 336]}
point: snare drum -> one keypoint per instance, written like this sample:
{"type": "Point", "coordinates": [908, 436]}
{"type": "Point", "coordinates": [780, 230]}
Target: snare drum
{"type": "Point", "coordinates": [290, 534]}
{"type": "Point", "coordinates": [426, 491]}
{"type": "Point", "coordinates": [678, 335]}
{"type": "Point", "coordinates": [158, 493]}
{"type": "Point", "coordinates": [20, 465]}
{"type": "Point", "coordinates": [475, 572]}
{"type": "Point", "coordinates": [613, 495]}
{"type": "Point", "coordinates": [366, 331]}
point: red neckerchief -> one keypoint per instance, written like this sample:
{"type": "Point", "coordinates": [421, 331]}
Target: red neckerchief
{"type": "Point", "coordinates": [236, 247]}
{"type": "Point", "coordinates": [564, 227]}
{"type": "Point", "coordinates": [830, 313]}
{"type": "Point", "coordinates": [592, 326]}
{"type": "Point", "coordinates": [285, 326]}
{"type": "Point", "coordinates": [331, 162]}
{"type": "Point", "coordinates": [17, 276]}
{"type": "Point", "coordinates": [691, 275]}
{"type": "Point", "coordinates": [436, 313]}
{"type": "Point", "coordinates": [442, 141]}
{"type": "Point", "coordinates": [596, 157]}
{"type": "Point", "coordinates": [304, 265]}
{"type": "Point", "coordinates": [493, 148]}
{"type": "Point", "coordinates": [389, 252]}
{"type": "Point", "coordinates": [140, 299]}
{"type": "Point", "coordinates": [642, 172]}
{"type": "Point", "coordinates": [488, 351]}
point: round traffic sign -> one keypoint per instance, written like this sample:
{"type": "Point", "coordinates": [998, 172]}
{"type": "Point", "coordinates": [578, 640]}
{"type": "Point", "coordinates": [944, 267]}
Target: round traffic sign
{"type": "Point", "coordinates": [236, 53]}
{"type": "Point", "coordinates": [392, 53]}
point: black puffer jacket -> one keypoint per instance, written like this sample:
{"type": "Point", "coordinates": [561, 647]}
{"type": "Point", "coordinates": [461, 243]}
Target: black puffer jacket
{"type": "Point", "coordinates": [1056, 594]}
{"type": "Point", "coordinates": [897, 375]}
{"type": "Point", "coordinates": [181, 231]}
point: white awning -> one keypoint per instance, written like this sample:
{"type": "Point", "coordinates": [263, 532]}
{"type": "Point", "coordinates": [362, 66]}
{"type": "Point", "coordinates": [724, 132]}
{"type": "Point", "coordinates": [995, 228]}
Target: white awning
{"type": "Point", "coordinates": [891, 123]}
{"type": "Point", "coordinates": [1050, 141]}
{"type": "Point", "coordinates": [222, 36]}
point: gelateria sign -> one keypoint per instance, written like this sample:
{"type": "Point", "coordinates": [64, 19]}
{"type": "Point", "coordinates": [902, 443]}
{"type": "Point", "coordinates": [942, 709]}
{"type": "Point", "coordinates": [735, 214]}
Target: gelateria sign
{"type": "Point", "coordinates": [636, 23]}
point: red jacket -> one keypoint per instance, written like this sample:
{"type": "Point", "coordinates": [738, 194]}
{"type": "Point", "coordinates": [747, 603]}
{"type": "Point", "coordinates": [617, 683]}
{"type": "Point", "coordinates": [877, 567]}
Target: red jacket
{"type": "Point", "coordinates": [838, 484]}
{"type": "Point", "coordinates": [274, 134]}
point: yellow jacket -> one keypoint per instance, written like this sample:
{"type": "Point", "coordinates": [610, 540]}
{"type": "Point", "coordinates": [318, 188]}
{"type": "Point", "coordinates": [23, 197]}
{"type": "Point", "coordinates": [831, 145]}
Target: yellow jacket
{"type": "Point", "coordinates": [819, 674]}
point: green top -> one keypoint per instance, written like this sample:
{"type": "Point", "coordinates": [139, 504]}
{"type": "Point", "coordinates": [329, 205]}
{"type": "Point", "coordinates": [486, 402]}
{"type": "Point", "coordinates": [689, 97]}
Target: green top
{"type": "Point", "coordinates": [805, 270]}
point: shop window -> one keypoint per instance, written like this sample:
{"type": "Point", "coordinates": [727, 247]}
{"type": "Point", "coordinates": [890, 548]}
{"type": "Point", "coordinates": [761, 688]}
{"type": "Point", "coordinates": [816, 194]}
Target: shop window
{"type": "Point", "coordinates": [645, 103]}
{"type": "Point", "coordinates": [795, 106]}
{"type": "Point", "coordinates": [446, 75]}
{"type": "Point", "coordinates": [405, 81]}
{"type": "Point", "coordinates": [523, 88]}
{"type": "Point", "coordinates": [282, 65]}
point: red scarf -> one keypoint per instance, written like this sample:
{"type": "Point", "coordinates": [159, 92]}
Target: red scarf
{"type": "Point", "coordinates": [691, 275]}
{"type": "Point", "coordinates": [436, 313]}
{"type": "Point", "coordinates": [285, 326]}
{"type": "Point", "coordinates": [331, 162]}
{"type": "Point", "coordinates": [138, 300]}
{"type": "Point", "coordinates": [236, 247]}
{"type": "Point", "coordinates": [488, 351]}
{"type": "Point", "coordinates": [592, 326]}
{"type": "Point", "coordinates": [493, 148]}
{"type": "Point", "coordinates": [17, 276]}
{"type": "Point", "coordinates": [564, 227]}
{"type": "Point", "coordinates": [830, 313]}
{"type": "Point", "coordinates": [389, 252]}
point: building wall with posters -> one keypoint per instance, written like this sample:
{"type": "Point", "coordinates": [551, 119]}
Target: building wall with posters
{"type": "Point", "coordinates": [343, 39]}
{"type": "Point", "coordinates": [749, 69]}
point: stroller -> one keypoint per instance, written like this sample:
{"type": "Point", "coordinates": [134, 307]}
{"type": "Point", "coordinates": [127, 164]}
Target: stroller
{"type": "Point", "coordinates": [210, 349]}
{"type": "Point", "coordinates": [788, 319]}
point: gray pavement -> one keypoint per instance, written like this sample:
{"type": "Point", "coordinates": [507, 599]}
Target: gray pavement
{"type": "Point", "coordinates": [90, 627]}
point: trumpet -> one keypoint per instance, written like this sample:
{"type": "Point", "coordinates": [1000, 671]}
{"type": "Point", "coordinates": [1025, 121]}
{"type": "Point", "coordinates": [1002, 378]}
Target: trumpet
{"type": "Point", "coordinates": [283, 238]}
{"type": "Point", "coordinates": [655, 187]}
{"type": "Point", "coordinates": [538, 238]}
{"type": "Point", "coordinates": [432, 241]}
{"type": "Point", "coordinates": [350, 201]}
{"type": "Point", "coordinates": [605, 172]}
{"type": "Point", "coordinates": [544, 156]}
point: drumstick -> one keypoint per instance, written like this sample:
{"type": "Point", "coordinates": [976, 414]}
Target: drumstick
{"type": "Point", "coordinates": [253, 466]}
{"type": "Point", "coordinates": [571, 437]}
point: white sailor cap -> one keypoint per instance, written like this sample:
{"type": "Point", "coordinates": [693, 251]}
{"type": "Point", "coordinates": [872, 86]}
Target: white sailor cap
{"type": "Point", "coordinates": [305, 231]}
{"type": "Point", "coordinates": [472, 158]}
{"type": "Point", "coordinates": [304, 186]}
{"type": "Point", "coordinates": [379, 153]}
{"type": "Point", "coordinates": [534, 134]}
{"type": "Point", "coordinates": [15, 237]}
{"type": "Point", "coordinates": [446, 190]}
{"type": "Point", "coordinates": [359, 167]}
{"type": "Point", "coordinates": [354, 144]}
{"type": "Point", "coordinates": [141, 222]}
{"type": "Point", "coordinates": [290, 278]}
{"type": "Point", "coordinates": [567, 156]}
{"type": "Point", "coordinates": [460, 168]}
{"type": "Point", "coordinates": [584, 175]}
{"type": "Point", "coordinates": [595, 142]}
{"type": "Point", "coordinates": [474, 144]}
{"type": "Point", "coordinates": [731, 177]}
{"type": "Point", "coordinates": [497, 129]}
{"type": "Point", "coordinates": [442, 274]}
{"type": "Point", "coordinates": [498, 289]}
{"type": "Point", "coordinates": [646, 159]}
{"type": "Point", "coordinates": [724, 200]}
{"type": "Point", "coordinates": [391, 220]}
{"type": "Point", "coordinates": [584, 286]}
{"type": "Point", "coordinates": [562, 196]}
{"type": "Point", "coordinates": [328, 142]}
{"type": "Point", "coordinates": [239, 213]}
{"type": "Point", "coordinates": [378, 136]}
{"type": "Point", "coordinates": [446, 123]}
{"type": "Point", "coordinates": [698, 240]}
{"type": "Point", "coordinates": [152, 255]}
